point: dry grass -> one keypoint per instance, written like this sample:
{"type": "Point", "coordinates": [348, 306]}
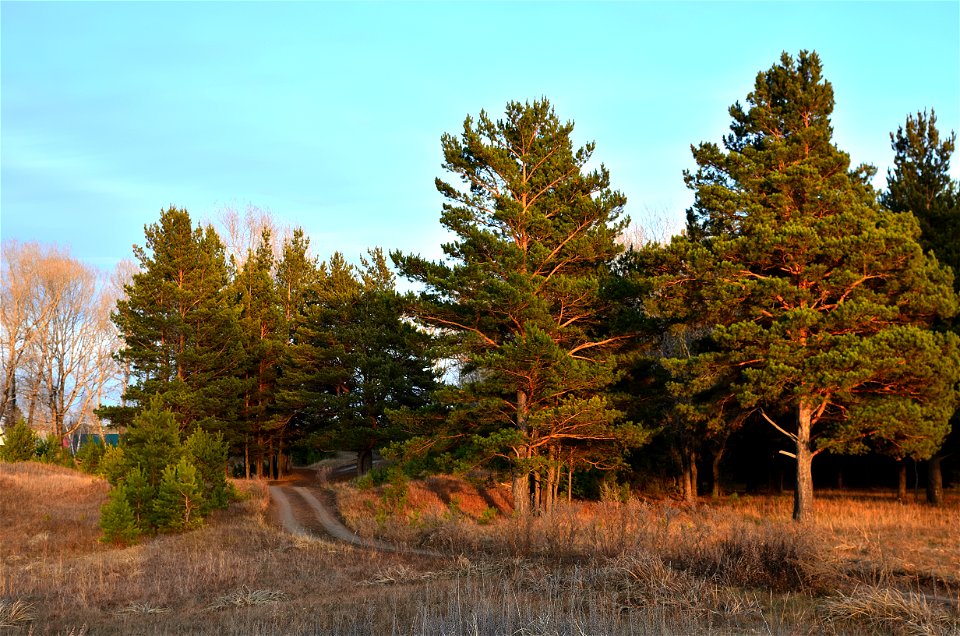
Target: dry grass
{"type": "Point", "coordinates": [15, 614]}
{"type": "Point", "coordinates": [892, 611]}
{"type": "Point", "coordinates": [631, 568]}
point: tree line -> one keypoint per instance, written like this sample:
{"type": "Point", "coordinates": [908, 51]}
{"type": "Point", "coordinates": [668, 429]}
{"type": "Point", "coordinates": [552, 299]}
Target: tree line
{"type": "Point", "coordinates": [541, 347]}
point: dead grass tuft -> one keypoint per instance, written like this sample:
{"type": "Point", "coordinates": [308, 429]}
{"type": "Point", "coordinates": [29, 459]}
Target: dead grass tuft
{"type": "Point", "coordinates": [767, 557]}
{"type": "Point", "coordinates": [15, 613]}
{"type": "Point", "coordinates": [892, 611]}
{"type": "Point", "coordinates": [245, 597]}
{"type": "Point", "coordinates": [141, 609]}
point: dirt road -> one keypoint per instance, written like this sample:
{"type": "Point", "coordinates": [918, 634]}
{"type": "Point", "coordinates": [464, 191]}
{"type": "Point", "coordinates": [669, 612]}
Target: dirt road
{"type": "Point", "coordinates": [301, 510]}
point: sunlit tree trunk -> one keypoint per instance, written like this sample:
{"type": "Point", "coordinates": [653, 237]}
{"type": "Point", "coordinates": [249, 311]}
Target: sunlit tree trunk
{"type": "Point", "coordinates": [803, 493]}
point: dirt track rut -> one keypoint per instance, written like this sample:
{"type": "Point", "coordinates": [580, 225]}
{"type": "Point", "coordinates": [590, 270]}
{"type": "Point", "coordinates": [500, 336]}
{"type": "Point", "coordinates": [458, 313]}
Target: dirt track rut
{"type": "Point", "coordinates": [306, 520]}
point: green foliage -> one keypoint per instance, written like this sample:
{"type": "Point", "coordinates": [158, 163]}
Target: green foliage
{"type": "Point", "coordinates": [355, 359]}
{"type": "Point", "coordinates": [519, 295]}
{"type": "Point", "coordinates": [117, 520]}
{"type": "Point", "coordinates": [50, 450]}
{"type": "Point", "coordinates": [140, 495]}
{"type": "Point", "coordinates": [20, 443]}
{"type": "Point", "coordinates": [113, 465]}
{"type": "Point", "coordinates": [179, 323]}
{"type": "Point", "coordinates": [488, 516]}
{"type": "Point", "coordinates": [167, 485]}
{"type": "Point", "coordinates": [396, 490]}
{"type": "Point", "coordinates": [208, 453]}
{"type": "Point", "coordinates": [920, 183]}
{"type": "Point", "coordinates": [89, 455]}
{"type": "Point", "coordinates": [152, 441]}
{"type": "Point", "coordinates": [179, 501]}
{"type": "Point", "coordinates": [264, 331]}
{"type": "Point", "coordinates": [822, 298]}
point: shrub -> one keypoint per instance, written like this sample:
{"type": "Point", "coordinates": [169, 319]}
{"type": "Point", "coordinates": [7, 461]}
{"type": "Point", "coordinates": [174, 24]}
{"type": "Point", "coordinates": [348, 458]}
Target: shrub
{"type": "Point", "coordinates": [140, 495]}
{"type": "Point", "coordinates": [179, 501]}
{"type": "Point", "coordinates": [152, 441]}
{"type": "Point", "coordinates": [208, 453]}
{"type": "Point", "coordinates": [117, 519]}
{"type": "Point", "coordinates": [20, 443]}
{"type": "Point", "coordinates": [113, 465]}
{"type": "Point", "coordinates": [89, 456]}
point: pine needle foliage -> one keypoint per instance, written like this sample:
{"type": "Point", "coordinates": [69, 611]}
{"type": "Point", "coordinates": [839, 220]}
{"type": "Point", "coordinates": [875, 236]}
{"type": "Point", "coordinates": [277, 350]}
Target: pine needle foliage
{"type": "Point", "coordinates": [823, 298]}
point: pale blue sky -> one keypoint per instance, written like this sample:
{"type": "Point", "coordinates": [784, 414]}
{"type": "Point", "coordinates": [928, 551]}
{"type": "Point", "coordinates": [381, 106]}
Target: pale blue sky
{"type": "Point", "coordinates": [330, 114]}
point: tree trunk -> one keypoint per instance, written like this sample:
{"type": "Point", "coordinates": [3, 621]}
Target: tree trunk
{"type": "Point", "coordinates": [902, 480]}
{"type": "Point", "coordinates": [688, 484]}
{"type": "Point", "coordinates": [246, 458]}
{"type": "Point", "coordinates": [694, 477]}
{"type": "Point", "coordinates": [570, 479]}
{"type": "Point", "coordinates": [717, 456]}
{"type": "Point", "coordinates": [537, 501]}
{"type": "Point", "coordinates": [521, 473]}
{"type": "Point", "coordinates": [557, 475]}
{"type": "Point", "coordinates": [521, 492]}
{"type": "Point", "coordinates": [803, 492]}
{"type": "Point", "coordinates": [364, 461]}
{"type": "Point", "coordinates": [935, 481]}
{"type": "Point", "coordinates": [281, 465]}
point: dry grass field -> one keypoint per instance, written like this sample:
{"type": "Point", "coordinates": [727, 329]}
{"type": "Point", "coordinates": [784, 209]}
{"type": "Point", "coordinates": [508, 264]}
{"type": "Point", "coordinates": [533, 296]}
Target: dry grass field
{"type": "Point", "coordinates": [868, 565]}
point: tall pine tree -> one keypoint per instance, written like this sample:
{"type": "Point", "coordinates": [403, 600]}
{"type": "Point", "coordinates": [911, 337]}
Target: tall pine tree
{"type": "Point", "coordinates": [829, 295]}
{"type": "Point", "coordinates": [263, 333]}
{"type": "Point", "coordinates": [180, 328]}
{"type": "Point", "coordinates": [534, 236]}
{"type": "Point", "coordinates": [920, 183]}
{"type": "Point", "coordinates": [355, 358]}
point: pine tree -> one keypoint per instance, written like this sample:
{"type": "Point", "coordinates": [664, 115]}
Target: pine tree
{"type": "Point", "coordinates": [920, 183]}
{"type": "Point", "coordinates": [295, 279]}
{"type": "Point", "coordinates": [829, 295]}
{"type": "Point", "coordinates": [179, 325]}
{"type": "Point", "coordinates": [179, 502]}
{"type": "Point", "coordinates": [263, 329]}
{"type": "Point", "coordinates": [89, 455]}
{"type": "Point", "coordinates": [152, 441]}
{"type": "Point", "coordinates": [208, 453]}
{"type": "Point", "coordinates": [19, 443]}
{"type": "Point", "coordinates": [356, 358]}
{"type": "Point", "coordinates": [117, 519]}
{"type": "Point", "coordinates": [534, 238]}
{"type": "Point", "coordinates": [140, 495]}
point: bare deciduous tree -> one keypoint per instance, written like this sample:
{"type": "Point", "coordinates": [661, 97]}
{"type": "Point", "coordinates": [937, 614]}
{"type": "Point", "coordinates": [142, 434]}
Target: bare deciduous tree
{"type": "Point", "coordinates": [58, 341]}
{"type": "Point", "coordinates": [242, 232]}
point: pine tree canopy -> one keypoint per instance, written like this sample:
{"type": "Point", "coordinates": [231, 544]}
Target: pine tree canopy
{"type": "Point", "coordinates": [823, 297]}
{"type": "Point", "coordinates": [180, 327]}
{"type": "Point", "coordinates": [920, 183]}
{"type": "Point", "coordinates": [534, 238]}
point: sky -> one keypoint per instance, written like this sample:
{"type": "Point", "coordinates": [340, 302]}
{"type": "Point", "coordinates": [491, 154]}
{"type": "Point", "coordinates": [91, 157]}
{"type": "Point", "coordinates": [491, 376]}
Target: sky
{"type": "Point", "coordinates": [329, 115]}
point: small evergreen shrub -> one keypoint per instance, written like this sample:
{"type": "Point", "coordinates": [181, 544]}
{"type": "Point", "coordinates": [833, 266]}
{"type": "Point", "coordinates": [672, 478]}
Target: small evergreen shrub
{"type": "Point", "coordinates": [89, 455]}
{"type": "Point", "coordinates": [51, 450]}
{"type": "Point", "coordinates": [20, 443]}
{"type": "Point", "coordinates": [166, 484]}
{"type": "Point", "coordinates": [179, 501]}
{"type": "Point", "coordinates": [117, 519]}
{"type": "Point", "coordinates": [208, 453]}
{"type": "Point", "coordinates": [113, 465]}
{"type": "Point", "coordinates": [140, 495]}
